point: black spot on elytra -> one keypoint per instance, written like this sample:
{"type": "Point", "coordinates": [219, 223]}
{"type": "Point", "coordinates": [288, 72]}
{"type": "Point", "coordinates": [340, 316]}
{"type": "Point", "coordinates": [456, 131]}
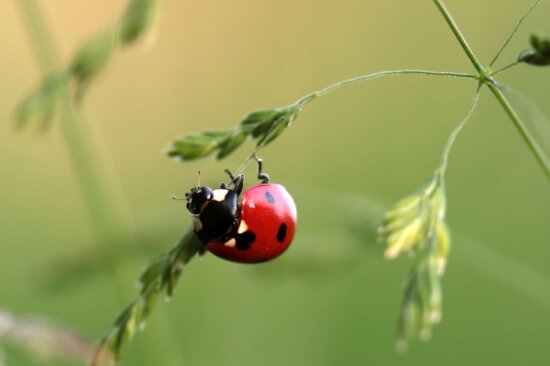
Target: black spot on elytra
{"type": "Point", "coordinates": [270, 198]}
{"type": "Point", "coordinates": [245, 240]}
{"type": "Point", "coordinates": [281, 233]}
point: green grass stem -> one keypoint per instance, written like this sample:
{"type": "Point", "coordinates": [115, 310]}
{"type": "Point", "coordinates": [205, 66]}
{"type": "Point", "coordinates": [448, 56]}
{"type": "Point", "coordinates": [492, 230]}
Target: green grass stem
{"type": "Point", "coordinates": [105, 206]}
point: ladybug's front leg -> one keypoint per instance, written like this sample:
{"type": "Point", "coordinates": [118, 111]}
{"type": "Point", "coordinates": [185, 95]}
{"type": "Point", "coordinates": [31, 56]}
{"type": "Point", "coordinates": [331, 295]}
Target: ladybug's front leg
{"type": "Point", "coordinates": [237, 182]}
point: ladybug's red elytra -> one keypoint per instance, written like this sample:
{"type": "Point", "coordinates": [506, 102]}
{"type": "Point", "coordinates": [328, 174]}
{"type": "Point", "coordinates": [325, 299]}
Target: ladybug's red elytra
{"type": "Point", "coordinates": [257, 228]}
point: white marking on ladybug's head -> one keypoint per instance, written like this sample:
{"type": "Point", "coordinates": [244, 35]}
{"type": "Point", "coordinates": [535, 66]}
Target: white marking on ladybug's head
{"type": "Point", "coordinates": [197, 224]}
{"type": "Point", "coordinates": [242, 227]}
{"type": "Point", "coordinates": [230, 243]}
{"type": "Point", "coordinates": [219, 194]}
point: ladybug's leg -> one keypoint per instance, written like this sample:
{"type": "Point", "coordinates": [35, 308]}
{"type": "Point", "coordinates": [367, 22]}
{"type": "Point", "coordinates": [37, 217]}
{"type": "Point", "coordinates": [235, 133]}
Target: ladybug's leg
{"type": "Point", "coordinates": [238, 184]}
{"type": "Point", "coordinates": [264, 177]}
{"type": "Point", "coordinates": [237, 181]}
{"type": "Point", "coordinates": [231, 176]}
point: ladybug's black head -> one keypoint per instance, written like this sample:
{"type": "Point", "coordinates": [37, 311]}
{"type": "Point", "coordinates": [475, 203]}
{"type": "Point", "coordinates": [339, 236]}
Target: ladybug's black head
{"type": "Point", "coordinates": [197, 199]}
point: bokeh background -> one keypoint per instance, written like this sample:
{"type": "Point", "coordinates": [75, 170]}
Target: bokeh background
{"type": "Point", "coordinates": [332, 298]}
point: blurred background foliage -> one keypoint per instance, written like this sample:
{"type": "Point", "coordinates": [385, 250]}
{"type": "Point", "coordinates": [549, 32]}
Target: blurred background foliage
{"type": "Point", "coordinates": [332, 299]}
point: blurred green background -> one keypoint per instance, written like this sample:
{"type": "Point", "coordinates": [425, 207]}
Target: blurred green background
{"type": "Point", "coordinates": [332, 298]}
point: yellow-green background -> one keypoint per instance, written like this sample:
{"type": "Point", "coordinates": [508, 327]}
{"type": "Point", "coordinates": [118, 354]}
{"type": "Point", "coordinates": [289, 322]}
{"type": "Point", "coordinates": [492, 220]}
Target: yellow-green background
{"type": "Point", "coordinates": [332, 299]}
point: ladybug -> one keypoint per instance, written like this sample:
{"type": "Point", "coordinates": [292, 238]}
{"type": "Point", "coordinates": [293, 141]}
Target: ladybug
{"type": "Point", "coordinates": [257, 228]}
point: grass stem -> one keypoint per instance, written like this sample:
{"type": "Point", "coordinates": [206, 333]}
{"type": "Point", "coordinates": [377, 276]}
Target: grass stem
{"type": "Point", "coordinates": [460, 37]}
{"type": "Point", "coordinates": [506, 68]}
{"type": "Point", "coordinates": [457, 130]}
{"type": "Point", "coordinates": [308, 98]}
{"type": "Point", "coordinates": [106, 209]}
{"type": "Point", "coordinates": [513, 32]}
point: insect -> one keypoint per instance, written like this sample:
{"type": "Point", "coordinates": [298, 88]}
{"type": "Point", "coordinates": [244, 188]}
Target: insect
{"type": "Point", "coordinates": [257, 228]}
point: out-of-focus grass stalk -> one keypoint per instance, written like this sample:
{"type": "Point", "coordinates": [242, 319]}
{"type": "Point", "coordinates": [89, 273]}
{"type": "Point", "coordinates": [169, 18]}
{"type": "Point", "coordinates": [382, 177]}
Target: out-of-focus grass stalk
{"type": "Point", "coordinates": [79, 146]}
{"type": "Point", "coordinates": [43, 338]}
{"type": "Point", "coordinates": [106, 207]}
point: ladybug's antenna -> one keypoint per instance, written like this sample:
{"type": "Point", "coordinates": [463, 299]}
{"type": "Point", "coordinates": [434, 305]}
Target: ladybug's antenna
{"type": "Point", "coordinates": [199, 177]}
{"type": "Point", "coordinates": [264, 177]}
{"type": "Point", "coordinates": [175, 198]}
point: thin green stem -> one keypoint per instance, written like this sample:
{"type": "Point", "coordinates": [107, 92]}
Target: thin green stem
{"type": "Point", "coordinates": [104, 206]}
{"type": "Point", "coordinates": [506, 68]}
{"type": "Point", "coordinates": [460, 37]}
{"type": "Point", "coordinates": [308, 98]}
{"type": "Point", "coordinates": [45, 49]}
{"type": "Point", "coordinates": [79, 147]}
{"type": "Point", "coordinates": [531, 142]}
{"type": "Point", "coordinates": [511, 35]}
{"type": "Point", "coordinates": [456, 132]}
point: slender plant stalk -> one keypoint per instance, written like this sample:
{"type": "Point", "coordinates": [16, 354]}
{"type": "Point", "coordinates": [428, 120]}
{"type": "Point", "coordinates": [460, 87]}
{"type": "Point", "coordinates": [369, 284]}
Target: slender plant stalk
{"type": "Point", "coordinates": [460, 37]}
{"type": "Point", "coordinates": [505, 68]}
{"type": "Point", "coordinates": [513, 32]}
{"type": "Point", "coordinates": [379, 74]}
{"type": "Point", "coordinates": [106, 215]}
{"type": "Point", "coordinates": [45, 50]}
{"type": "Point", "coordinates": [99, 205]}
{"type": "Point", "coordinates": [38, 335]}
{"type": "Point", "coordinates": [456, 132]}
{"type": "Point", "coordinates": [306, 99]}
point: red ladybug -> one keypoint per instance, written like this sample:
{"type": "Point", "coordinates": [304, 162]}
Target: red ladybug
{"type": "Point", "coordinates": [258, 228]}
